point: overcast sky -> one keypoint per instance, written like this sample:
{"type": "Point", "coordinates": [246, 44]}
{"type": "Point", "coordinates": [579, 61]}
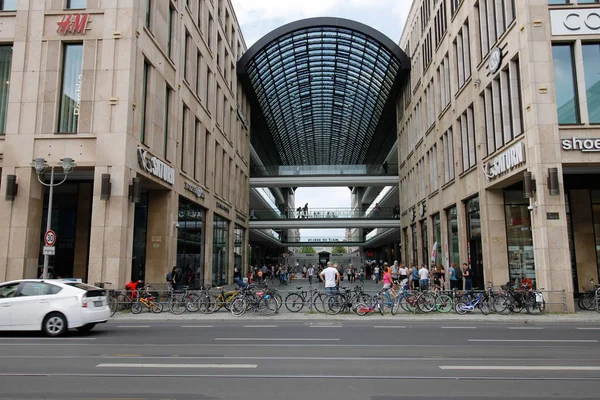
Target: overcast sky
{"type": "Point", "coordinates": [259, 17]}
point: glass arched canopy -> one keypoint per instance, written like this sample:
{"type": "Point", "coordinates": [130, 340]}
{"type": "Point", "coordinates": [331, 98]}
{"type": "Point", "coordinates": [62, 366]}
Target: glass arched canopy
{"type": "Point", "coordinates": [323, 91]}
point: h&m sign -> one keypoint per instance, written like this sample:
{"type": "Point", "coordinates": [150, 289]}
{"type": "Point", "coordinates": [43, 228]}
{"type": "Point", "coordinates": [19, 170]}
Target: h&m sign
{"type": "Point", "coordinates": [73, 23]}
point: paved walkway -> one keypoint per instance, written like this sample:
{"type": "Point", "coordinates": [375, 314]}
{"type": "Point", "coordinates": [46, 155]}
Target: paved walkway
{"type": "Point", "coordinates": [369, 287]}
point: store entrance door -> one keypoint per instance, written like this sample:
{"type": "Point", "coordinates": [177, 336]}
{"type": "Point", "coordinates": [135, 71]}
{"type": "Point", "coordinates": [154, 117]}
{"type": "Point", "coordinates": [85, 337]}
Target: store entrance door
{"type": "Point", "coordinates": [477, 264]}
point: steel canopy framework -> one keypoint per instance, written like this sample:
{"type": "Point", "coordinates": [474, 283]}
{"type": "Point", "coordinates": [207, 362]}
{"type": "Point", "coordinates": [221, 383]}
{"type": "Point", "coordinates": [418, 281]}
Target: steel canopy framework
{"type": "Point", "coordinates": [325, 91]}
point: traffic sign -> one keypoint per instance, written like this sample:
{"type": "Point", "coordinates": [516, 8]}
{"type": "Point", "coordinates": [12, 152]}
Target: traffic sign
{"type": "Point", "coordinates": [50, 238]}
{"type": "Point", "coordinates": [49, 250]}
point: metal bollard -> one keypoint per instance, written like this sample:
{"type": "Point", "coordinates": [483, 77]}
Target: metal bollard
{"type": "Point", "coordinates": [564, 293]}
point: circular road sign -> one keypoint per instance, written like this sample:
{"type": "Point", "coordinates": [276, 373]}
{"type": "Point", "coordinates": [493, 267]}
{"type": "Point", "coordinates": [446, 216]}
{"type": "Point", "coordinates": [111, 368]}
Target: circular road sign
{"type": "Point", "coordinates": [50, 238]}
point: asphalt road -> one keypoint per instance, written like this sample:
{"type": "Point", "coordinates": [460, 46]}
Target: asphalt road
{"type": "Point", "coordinates": [378, 360]}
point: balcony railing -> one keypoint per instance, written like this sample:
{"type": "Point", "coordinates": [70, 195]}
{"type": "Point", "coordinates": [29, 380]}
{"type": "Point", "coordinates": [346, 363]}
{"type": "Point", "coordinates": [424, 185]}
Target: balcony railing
{"type": "Point", "coordinates": [323, 170]}
{"type": "Point", "coordinates": [325, 213]}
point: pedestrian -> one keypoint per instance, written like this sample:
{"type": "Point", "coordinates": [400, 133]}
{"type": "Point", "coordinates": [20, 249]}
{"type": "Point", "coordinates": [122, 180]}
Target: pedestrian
{"type": "Point", "coordinates": [305, 209]}
{"type": "Point", "coordinates": [310, 272]}
{"type": "Point", "coordinates": [394, 271]}
{"type": "Point", "coordinates": [304, 271]}
{"type": "Point", "coordinates": [387, 278]}
{"type": "Point", "coordinates": [424, 277]}
{"type": "Point", "coordinates": [299, 211]}
{"type": "Point", "coordinates": [331, 277]}
{"type": "Point", "coordinates": [453, 278]}
{"type": "Point", "coordinates": [376, 273]}
{"type": "Point", "coordinates": [414, 277]}
{"type": "Point", "coordinates": [468, 277]}
{"type": "Point", "coordinates": [361, 275]}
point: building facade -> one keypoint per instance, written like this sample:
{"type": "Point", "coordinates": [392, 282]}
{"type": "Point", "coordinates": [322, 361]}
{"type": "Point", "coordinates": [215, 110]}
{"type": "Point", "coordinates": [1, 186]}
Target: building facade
{"type": "Point", "coordinates": [497, 140]}
{"type": "Point", "coordinates": [143, 95]}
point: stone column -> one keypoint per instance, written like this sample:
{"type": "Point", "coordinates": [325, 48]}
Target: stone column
{"type": "Point", "coordinates": [161, 229]}
{"type": "Point", "coordinates": [208, 245]}
{"type": "Point", "coordinates": [493, 237]}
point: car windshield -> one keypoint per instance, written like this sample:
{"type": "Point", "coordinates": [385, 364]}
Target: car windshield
{"type": "Point", "coordinates": [81, 286]}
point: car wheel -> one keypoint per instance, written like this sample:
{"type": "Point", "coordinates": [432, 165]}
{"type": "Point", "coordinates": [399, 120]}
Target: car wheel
{"type": "Point", "coordinates": [54, 324]}
{"type": "Point", "coordinates": [86, 328]}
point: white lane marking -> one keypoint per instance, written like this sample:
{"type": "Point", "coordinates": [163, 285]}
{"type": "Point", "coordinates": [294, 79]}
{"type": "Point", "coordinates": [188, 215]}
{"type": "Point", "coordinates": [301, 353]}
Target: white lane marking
{"type": "Point", "coordinates": [535, 340]}
{"type": "Point", "coordinates": [589, 329]}
{"type": "Point", "coordinates": [197, 326]}
{"type": "Point", "coordinates": [519, 367]}
{"type": "Point", "coordinates": [326, 326]}
{"type": "Point", "coordinates": [237, 366]}
{"type": "Point", "coordinates": [458, 327]}
{"type": "Point", "coordinates": [133, 326]}
{"type": "Point", "coordinates": [69, 339]}
{"type": "Point", "coordinates": [524, 327]}
{"type": "Point", "coordinates": [260, 326]}
{"type": "Point", "coordinates": [278, 339]}
{"type": "Point", "coordinates": [389, 326]}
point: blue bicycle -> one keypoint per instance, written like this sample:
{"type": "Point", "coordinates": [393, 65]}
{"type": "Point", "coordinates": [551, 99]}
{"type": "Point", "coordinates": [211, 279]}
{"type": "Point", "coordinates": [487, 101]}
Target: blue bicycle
{"type": "Point", "coordinates": [464, 306]}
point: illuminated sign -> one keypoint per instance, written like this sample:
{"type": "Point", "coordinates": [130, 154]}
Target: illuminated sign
{"type": "Point", "coordinates": [509, 159]}
{"type": "Point", "coordinates": [584, 145]}
{"type": "Point", "coordinates": [72, 24]}
{"type": "Point", "coordinates": [583, 21]}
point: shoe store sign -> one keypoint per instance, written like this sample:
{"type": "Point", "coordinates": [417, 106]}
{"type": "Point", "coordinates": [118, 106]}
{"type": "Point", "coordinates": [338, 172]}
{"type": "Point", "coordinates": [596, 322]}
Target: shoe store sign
{"type": "Point", "coordinates": [196, 190]}
{"type": "Point", "coordinates": [155, 167]}
{"type": "Point", "coordinates": [506, 161]}
{"type": "Point", "coordinates": [579, 21]}
{"type": "Point", "coordinates": [72, 24]}
{"type": "Point", "coordinates": [583, 145]}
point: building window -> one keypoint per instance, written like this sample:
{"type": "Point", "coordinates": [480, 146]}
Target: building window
{"type": "Point", "coordinates": [424, 242]}
{"type": "Point", "coordinates": [437, 239]}
{"type": "Point", "coordinates": [76, 4]}
{"type": "Point", "coordinates": [433, 169]}
{"type": "Point", "coordinates": [170, 28]}
{"type": "Point", "coordinates": [168, 97]}
{"type": "Point", "coordinates": [190, 242]}
{"type": "Point", "coordinates": [443, 74]}
{"type": "Point", "coordinates": [8, 5]}
{"type": "Point", "coordinates": [567, 101]}
{"type": "Point", "coordinates": [454, 6]}
{"type": "Point", "coordinates": [441, 23]}
{"type": "Point", "coordinates": [145, 105]}
{"type": "Point", "coordinates": [195, 160]}
{"type": "Point", "coordinates": [467, 130]}
{"type": "Point", "coordinates": [503, 107]}
{"type": "Point", "coordinates": [591, 66]}
{"type": "Point", "coordinates": [207, 148]}
{"type": "Point", "coordinates": [448, 143]}
{"type": "Point", "coordinates": [184, 131]}
{"type": "Point", "coordinates": [238, 247]}
{"type": "Point", "coordinates": [519, 238]}
{"type": "Point", "coordinates": [5, 68]}
{"type": "Point", "coordinates": [186, 57]}
{"type": "Point", "coordinates": [494, 18]}
{"type": "Point", "coordinates": [462, 50]}
{"type": "Point", "coordinates": [415, 246]}
{"type": "Point", "coordinates": [452, 223]}
{"type": "Point", "coordinates": [70, 99]}
{"type": "Point", "coordinates": [220, 246]}
{"type": "Point", "coordinates": [148, 13]}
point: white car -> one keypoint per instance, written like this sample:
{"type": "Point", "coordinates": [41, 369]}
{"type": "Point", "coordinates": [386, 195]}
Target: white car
{"type": "Point", "coordinates": [52, 306]}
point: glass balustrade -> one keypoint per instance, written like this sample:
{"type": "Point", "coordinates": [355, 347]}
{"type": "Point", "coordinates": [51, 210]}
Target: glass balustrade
{"type": "Point", "coordinates": [323, 170]}
{"type": "Point", "coordinates": [326, 213]}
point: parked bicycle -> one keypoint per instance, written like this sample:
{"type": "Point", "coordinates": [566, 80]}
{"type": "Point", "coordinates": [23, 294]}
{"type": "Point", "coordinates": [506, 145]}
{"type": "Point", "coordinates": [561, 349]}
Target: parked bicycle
{"type": "Point", "coordinates": [147, 299]}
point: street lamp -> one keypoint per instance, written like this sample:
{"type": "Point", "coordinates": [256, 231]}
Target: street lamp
{"type": "Point", "coordinates": [40, 166]}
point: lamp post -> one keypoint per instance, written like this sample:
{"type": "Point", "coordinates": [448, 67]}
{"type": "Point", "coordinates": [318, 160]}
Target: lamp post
{"type": "Point", "coordinates": [40, 166]}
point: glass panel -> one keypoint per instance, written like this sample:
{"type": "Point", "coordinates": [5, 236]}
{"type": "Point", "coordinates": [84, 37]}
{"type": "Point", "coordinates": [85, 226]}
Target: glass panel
{"type": "Point", "coordinates": [9, 5]}
{"type": "Point", "coordinates": [146, 72]}
{"type": "Point", "coordinates": [564, 78]}
{"type": "Point", "coordinates": [437, 237]}
{"type": "Point", "coordinates": [415, 259]}
{"type": "Point", "coordinates": [596, 211]}
{"type": "Point", "coordinates": [591, 65]}
{"type": "Point", "coordinates": [148, 9]}
{"type": "Point", "coordinates": [190, 237]}
{"type": "Point", "coordinates": [75, 4]}
{"type": "Point", "coordinates": [220, 246]}
{"type": "Point", "coordinates": [424, 241]}
{"type": "Point", "coordinates": [452, 217]}
{"type": "Point", "coordinates": [559, 1]}
{"type": "Point", "coordinates": [140, 231]}
{"type": "Point", "coordinates": [5, 67]}
{"type": "Point", "coordinates": [71, 88]}
{"type": "Point", "coordinates": [238, 247]}
{"type": "Point", "coordinates": [520, 243]}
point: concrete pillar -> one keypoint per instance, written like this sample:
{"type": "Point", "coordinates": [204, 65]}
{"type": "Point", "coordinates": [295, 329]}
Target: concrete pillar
{"type": "Point", "coordinates": [160, 231]}
{"type": "Point", "coordinates": [208, 240]}
{"type": "Point", "coordinates": [493, 237]}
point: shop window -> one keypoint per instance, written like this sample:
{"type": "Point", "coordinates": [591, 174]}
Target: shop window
{"type": "Point", "coordinates": [591, 65]}
{"type": "Point", "coordinates": [424, 241]}
{"type": "Point", "coordinates": [140, 237]}
{"type": "Point", "coordinates": [519, 238]}
{"type": "Point", "coordinates": [596, 211]}
{"type": "Point", "coordinates": [8, 5]}
{"type": "Point", "coordinates": [474, 244]}
{"type": "Point", "coordinates": [220, 246]}
{"type": "Point", "coordinates": [567, 101]}
{"type": "Point", "coordinates": [190, 239]}
{"type": "Point", "coordinates": [5, 68]}
{"type": "Point", "coordinates": [70, 98]}
{"type": "Point", "coordinates": [76, 4]}
{"type": "Point", "coordinates": [238, 247]}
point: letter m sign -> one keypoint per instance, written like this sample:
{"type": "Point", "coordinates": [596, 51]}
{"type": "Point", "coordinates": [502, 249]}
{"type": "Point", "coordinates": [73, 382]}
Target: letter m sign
{"type": "Point", "coordinates": [73, 23]}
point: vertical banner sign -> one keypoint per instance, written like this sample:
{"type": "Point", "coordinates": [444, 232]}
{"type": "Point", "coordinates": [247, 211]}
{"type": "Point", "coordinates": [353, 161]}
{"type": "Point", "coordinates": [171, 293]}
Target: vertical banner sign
{"type": "Point", "coordinates": [469, 253]}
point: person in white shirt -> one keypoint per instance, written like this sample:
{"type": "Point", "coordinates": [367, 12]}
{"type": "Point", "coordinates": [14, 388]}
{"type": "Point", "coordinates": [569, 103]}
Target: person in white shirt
{"type": "Point", "coordinates": [376, 273]}
{"type": "Point", "coordinates": [424, 277]}
{"type": "Point", "coordinates": [331, 277]}
{"type": "Point", "coordinates": [310, 272]}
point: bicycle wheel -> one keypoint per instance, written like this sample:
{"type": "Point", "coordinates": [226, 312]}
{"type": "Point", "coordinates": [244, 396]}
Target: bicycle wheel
{"type": "Point", "coordinates": [381, 307]}
{"type": "Point", "coordinates": [501, 304]}
{"type": "Point", "coordinates": [156, 307]}
{"type": "Point", "coordinates": [536, 307]}
{"type": "Point", "coordinates": [192, 302]}
{"type": "Point", "coordinates": [461, 307]}
{"type": "Point", "coordinates": [484, 307]}
{"type": "Point", "coordinates": [396, 305]}
{"type": "Point", "coordinates": [123, 302]}
{"type": "Point", "coordinates": [333, 304]}
{"type": "Point", "coordinates": [588, 301]}
{"type": "Point", "coordinates": [426, 302]}
{"type": "Point", "coordinates": [177, 305]}
{"type": "Point", "coordinates": [230, 299]}
{"type": "Point", "coordinates": [136, 307]}
{"type": "Point", "coordinates": [443, 303]}
{"type": "Point", "coordinates": [362, 309]}
{"type": "Point", "coordinates": [239, 306]}
{"type": "Point", "coordinates": [207, 304]}
{"type": "Point", "coordinates": [112, 304]}
{"type": "Point", "coordinates": [278, 299]}
{"type": "Point", "coordinates": [408, 303]}
{"type": "Point", "coordinates": [267, 306]}
{"type": "Point", "coordinates": [294, 302]}
{"type": "Point", "coordinates": [317, 302]}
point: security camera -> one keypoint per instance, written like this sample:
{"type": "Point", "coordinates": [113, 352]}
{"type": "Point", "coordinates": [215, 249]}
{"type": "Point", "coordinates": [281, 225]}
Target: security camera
{"type": "Point", "coordinates": [530, 208]}
{"type": "Point", "coordinates": [176, 224]}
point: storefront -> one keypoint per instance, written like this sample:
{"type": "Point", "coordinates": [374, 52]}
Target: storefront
{"type": "Point", "coordinates": [219, 250]}
{"type": "Point", "coordinates": [190, 242]}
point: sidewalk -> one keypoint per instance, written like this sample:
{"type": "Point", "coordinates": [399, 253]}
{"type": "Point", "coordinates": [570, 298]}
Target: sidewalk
{"type": "Point", "coordinates": [591, 317]}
